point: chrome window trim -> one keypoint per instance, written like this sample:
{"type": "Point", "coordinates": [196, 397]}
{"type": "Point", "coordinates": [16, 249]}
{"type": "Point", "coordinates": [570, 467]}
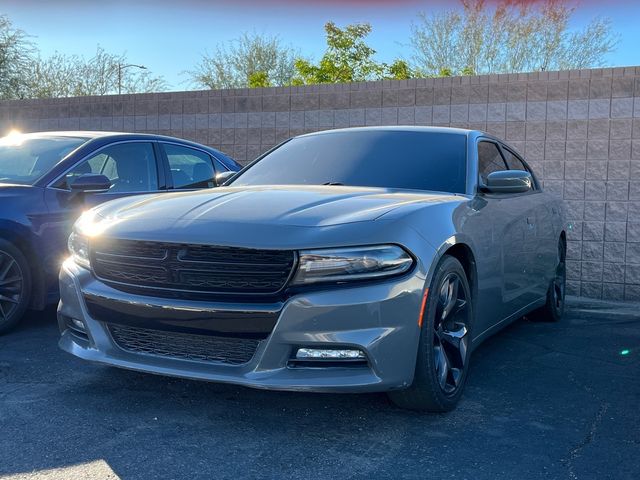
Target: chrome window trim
{"type": "Point", "coordinates": [89, 155]}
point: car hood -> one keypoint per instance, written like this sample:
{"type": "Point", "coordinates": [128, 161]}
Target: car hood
{"type": "Point", "coordinates": [264, 217]}
{"type": "Point", "coordinates": [305, 206]}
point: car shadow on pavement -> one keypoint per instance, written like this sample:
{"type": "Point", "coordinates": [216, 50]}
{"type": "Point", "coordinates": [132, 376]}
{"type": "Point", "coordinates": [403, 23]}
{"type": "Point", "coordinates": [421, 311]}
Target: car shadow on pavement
{"type": "Point", "coordinates": [542, 400]}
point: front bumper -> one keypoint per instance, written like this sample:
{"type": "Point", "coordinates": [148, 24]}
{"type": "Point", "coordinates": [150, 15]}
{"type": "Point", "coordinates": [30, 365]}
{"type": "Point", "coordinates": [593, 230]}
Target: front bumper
{"type": "Point", "coordinates": [380, 319]}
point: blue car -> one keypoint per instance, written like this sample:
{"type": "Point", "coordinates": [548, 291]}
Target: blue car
{"type": "Point", "coordinates": [48, 179]}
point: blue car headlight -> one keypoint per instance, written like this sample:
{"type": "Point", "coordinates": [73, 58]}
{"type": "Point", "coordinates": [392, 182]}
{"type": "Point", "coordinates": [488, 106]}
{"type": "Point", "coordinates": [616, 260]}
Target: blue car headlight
{"type": "Point", "coordinates": [351, 263]}
{"type": "Point", "coordinates": [79, 249]}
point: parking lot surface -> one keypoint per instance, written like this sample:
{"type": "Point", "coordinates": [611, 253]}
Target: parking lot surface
{"type": "Point", "coordinates": [542, 401]}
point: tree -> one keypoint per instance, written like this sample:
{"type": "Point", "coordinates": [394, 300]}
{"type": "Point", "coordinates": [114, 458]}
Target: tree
{"type": "Point", "coordinates": [399, 70]}
{"type": "Point", "coordinates": [259, 80]}
{"type": "Point", "coordinates": [348, 58]}
{"type": "Point", "coordinates": [234, 64]}
{"type": "Point", "coordinates": [71, 75]}
{"type": "Point", "coordinates": [510, 36]}
{"type": "Point", "coordinates": [16, 51]}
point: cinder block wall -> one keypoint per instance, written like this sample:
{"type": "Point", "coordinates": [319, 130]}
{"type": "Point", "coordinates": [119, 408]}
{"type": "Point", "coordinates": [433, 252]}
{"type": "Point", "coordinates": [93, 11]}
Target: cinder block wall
{"type": "Point", "coordinates": [580, 131]}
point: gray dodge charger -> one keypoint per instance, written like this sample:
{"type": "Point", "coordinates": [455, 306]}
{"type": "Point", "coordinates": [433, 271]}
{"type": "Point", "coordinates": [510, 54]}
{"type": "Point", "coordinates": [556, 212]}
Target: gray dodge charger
{"type": "Point", "coordinates": [354, 260]}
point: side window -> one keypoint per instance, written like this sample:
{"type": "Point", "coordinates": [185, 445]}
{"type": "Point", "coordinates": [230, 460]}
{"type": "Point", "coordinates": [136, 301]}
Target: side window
{"type": "Point", "coordinates": [489, 159]}
{"type": "Point", "coordinates": [190, 168]}
{"type": "Point", "coordinates": [513, 162]}
{"type": "Point", "coordinates": [131, 167]}
{"type": "Point", "coordinates": [220, 167]}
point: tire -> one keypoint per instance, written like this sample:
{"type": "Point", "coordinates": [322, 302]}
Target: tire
{"type": "Point", "coordinates": [15, 286]}
{"type": "Point", "coordinates": [553, 309]}
{"type": "Point", "coordinates": [441, 366]}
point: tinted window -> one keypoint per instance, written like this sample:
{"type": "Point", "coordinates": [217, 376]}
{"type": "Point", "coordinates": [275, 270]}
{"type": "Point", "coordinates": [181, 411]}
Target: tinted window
{"type": "Point", "coordinates": [220, 167]}
{"type": "Point", "coordinates": [370, 158]}
{"type": "Point", "coordinates": [189, 168]}
{"type": "Point", "coordinates": [513, 162]}
{"type": "Point", "coordinates": [25, 158]}
{"type": "Point", "coordinates": [489, 159]}
{"type": "Point", "coordinates": [131, 167]}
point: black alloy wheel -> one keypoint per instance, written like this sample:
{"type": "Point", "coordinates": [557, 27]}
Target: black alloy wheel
{"type": "Point", "coordinates": [443, 354]}
{"type": "Point", "coordinates": [15, 285]}
{"type": "Point", "coordinates": [450, 333]}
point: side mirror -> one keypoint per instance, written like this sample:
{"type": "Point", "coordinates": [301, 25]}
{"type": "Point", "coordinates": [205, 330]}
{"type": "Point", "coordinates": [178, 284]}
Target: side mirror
{"type": "Point", "coordinates": [222, 177]}
{"type": "Point", "coordinates": [508, 181]}
{"type": "Point", "coordinates": [90, 183]}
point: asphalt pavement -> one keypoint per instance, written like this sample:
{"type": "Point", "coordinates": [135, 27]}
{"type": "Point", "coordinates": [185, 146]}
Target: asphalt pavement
{"type": "Point", "coordinates": [558, 401]}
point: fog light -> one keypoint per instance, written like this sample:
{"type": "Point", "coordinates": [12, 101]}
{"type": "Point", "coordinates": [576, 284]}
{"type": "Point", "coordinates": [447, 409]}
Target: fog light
{"type": "Point", "coordinates": [78, 324]}
{"type": "Point", "coordinates": [321, 353]}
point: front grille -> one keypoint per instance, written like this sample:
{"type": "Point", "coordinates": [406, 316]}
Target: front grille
{"type": "Point", "coordinates": [184, 346]}
{"type": "Point", "coordinates": [198, 269]}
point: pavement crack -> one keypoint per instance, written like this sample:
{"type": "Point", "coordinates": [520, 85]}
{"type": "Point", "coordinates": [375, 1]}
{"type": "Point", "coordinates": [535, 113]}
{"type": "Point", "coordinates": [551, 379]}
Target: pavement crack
{"type": "Point", "coordinates": [588, 438]}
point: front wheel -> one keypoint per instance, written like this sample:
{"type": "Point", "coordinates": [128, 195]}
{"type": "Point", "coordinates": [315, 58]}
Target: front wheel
{"type": "Point", "coordinates": [443, 352]}
{"type": "Point", "coordinates": [15, 285]}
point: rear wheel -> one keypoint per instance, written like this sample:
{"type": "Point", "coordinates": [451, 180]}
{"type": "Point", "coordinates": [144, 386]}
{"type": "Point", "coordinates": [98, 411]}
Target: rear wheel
{"type": "Point", "coordinates": [553, 309]}
{"type": "Point", "coordinates": [15, 285]}
{"type": "Point", "coordinates": [443, 351]}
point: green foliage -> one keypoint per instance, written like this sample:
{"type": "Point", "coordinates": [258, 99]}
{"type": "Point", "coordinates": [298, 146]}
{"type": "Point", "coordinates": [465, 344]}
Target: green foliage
{"type": "Point", "coordinates": [399, 70]}
{"type": "Point", "coordinates": [259, 80]}
{"type": "Point", "coordinates": [347, 58]}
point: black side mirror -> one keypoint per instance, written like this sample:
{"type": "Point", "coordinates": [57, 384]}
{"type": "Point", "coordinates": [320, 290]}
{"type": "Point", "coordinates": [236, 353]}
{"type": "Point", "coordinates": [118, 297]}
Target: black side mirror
{"type": "Point", "coordinates": [90, 183]}
{"type": "Point", "coordinates": [508, 181]}
{"type": "Point", "coordinates": [222, 177]}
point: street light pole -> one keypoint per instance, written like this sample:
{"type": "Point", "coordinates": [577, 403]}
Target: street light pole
{"type": "Point", "coordinates": [122, 67]}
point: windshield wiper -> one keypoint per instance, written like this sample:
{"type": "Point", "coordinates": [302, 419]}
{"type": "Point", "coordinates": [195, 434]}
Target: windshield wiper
{"type": "Point", "coordinates": [333, 183]}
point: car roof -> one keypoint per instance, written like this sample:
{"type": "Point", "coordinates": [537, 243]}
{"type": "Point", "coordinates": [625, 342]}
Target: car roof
{"type": "Point", "coordinates": [99, 136]}
{"type": "Point", "coordinates": [91, 134]}
{"type": "Point", "coordinates": [399, 128]}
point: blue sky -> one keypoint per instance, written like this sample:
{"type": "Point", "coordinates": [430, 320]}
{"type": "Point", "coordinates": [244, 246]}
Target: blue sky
{"type": "Point", "coordinates": [169, 37]}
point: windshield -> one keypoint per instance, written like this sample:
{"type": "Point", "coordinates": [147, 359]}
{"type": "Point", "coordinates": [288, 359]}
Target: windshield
{"type": "Point", "coordinates": [371, 158]}
{"type": "Point", "coordinates": [24, 159]}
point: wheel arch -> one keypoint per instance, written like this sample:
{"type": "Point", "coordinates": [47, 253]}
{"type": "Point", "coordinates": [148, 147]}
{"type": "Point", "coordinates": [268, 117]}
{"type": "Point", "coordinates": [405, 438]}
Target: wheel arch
{"type": "Point", "coordinates": [464, 254]}
{"type": "Point", "coordinates": [20, 239]}
{"type": "Point", "coordinates": [461, 248]}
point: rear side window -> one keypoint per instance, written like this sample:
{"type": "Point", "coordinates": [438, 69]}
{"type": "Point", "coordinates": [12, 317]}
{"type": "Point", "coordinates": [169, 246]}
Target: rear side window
{"type": "Point", "coordinates": [489, 160]}
{"type": "Point", "coordinates": [190, 168]}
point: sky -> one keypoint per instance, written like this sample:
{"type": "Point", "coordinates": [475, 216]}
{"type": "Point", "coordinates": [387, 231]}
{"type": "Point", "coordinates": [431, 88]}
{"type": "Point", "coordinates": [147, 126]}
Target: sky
{"type": "Point", "coordinates": [169, 37]}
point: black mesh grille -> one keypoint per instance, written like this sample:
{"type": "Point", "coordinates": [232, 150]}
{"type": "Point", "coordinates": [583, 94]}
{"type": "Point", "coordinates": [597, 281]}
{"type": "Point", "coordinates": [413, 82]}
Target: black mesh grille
{"type": "Point", "coordinates": [184, 346]}
{"type": "Point", "coordinates": [191, 268]}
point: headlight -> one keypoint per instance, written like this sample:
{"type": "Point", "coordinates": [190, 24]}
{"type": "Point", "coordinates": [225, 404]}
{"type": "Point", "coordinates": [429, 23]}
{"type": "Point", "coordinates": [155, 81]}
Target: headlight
{"type": "Point", "coordinates": [79, 249]}
{"type": "Point", "coordinates": [354, 263]}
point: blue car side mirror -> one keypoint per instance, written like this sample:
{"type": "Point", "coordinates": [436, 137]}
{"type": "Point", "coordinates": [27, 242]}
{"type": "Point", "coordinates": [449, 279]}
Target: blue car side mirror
{"type": "Point", "coordinates": [90, 183]}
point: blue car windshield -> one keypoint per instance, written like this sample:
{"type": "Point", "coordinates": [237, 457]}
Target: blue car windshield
{"type": "Point", "coordinates": [403, 159]}
{"type": "Point", "coordinates": [26, 158]}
